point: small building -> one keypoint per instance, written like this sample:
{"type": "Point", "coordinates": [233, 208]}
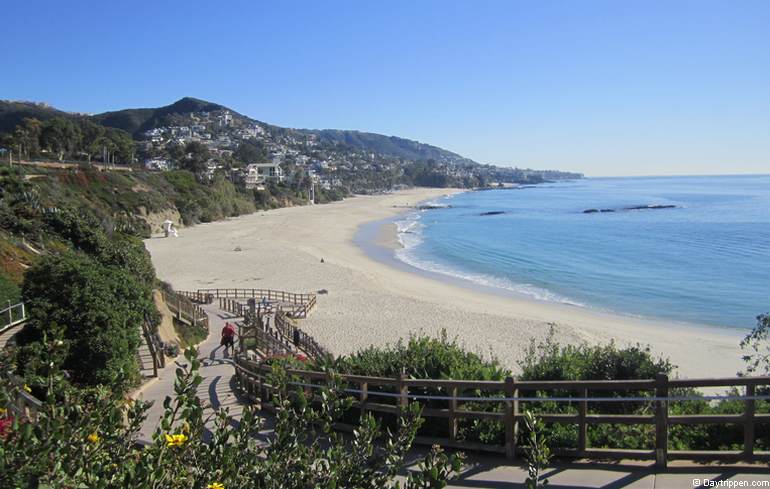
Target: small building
{"type": "Point", "coordinates": [157, 164]}
{"type": "Point", "coordinates": [256, 174]}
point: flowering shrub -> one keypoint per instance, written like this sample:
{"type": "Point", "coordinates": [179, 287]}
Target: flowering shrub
{"type": "Point", "coordinates": [88, 438]}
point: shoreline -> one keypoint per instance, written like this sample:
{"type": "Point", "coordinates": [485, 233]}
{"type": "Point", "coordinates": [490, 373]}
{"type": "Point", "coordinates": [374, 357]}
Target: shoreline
{"type": "Point", "coordinates": [371, 302]}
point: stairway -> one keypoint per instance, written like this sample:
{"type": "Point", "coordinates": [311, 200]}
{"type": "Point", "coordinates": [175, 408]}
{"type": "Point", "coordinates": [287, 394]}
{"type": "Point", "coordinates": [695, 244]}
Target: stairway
{"type": "Point", "coordinates": [144, 358]}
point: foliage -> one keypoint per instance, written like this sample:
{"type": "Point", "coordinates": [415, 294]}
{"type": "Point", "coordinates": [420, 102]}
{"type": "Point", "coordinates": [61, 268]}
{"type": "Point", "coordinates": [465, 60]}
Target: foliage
{"type": "Point", "coordinates": [425, 357]}
{"type": "Point", "coordinates": [549, 360]}
{"type": "Point", "coordinates": [251, 151]}
{"type": "Point", "coordinates": [422, 357]}
{"type": "Point", "coordinates": [196, 154]}
{"type": "Point", "coordinates": [72, 138]}
{"type": "Point", "coordinates": [9, 291]}
{"type": "Point", "coordinates": [202, 203]}
{"type": "Point", "coordinates": [100, 306]}
{"type": "Point", "coordinates": [87, 440]}
{"type": "Point", "coordinates": [536, 450]}
{"type": "Point", "coordinates": [757, 347]}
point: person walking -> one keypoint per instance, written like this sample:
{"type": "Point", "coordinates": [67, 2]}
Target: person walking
{"type": "Point", "coordinates": [228, 338]}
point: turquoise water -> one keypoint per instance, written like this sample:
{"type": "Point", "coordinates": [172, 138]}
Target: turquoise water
{"type": "Point", "coordinates": [706, 260]}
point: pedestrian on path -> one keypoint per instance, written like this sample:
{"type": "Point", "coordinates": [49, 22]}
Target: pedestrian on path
{"type": "Point", "coordinates": [228, 338]}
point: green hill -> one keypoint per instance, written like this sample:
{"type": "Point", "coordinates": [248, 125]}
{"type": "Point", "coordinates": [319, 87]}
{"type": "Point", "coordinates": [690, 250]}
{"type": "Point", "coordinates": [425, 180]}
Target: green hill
{"type": "Point", "coordinates": [13, 112]}
{"type": "Point", "coordinates": [135, 121]}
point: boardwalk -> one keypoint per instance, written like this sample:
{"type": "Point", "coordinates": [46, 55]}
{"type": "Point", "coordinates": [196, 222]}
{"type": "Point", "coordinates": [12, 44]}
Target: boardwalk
{"type": "Point", "coordinates": [218, 389]}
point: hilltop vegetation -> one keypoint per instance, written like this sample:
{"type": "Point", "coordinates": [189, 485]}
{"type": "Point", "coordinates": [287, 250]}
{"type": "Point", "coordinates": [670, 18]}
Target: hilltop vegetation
{"type": "Point", "coordinates": [335, 162]}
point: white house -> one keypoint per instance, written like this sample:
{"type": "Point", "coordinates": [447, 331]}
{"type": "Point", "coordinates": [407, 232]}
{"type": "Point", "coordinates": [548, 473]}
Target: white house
{"type": "Point", "coordinates": [256, 174]}
{"type": "Point", "coordinates": [158, 164]}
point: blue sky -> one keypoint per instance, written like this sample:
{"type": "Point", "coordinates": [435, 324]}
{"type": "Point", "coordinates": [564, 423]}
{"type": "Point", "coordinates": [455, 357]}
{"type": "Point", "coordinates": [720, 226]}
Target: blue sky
{"type": "Point", "coordinates": [608, 88]}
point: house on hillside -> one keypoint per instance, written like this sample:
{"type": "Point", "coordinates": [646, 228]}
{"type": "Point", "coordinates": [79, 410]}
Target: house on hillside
{"type": "Point", "coordinates": [157, 164]}
{"type": "Point", "coordinates": [256, 174]}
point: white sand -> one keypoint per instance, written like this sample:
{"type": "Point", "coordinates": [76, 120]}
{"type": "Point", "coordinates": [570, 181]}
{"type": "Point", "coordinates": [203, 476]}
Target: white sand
{"type": "Point", "coordinates": [372, 303]}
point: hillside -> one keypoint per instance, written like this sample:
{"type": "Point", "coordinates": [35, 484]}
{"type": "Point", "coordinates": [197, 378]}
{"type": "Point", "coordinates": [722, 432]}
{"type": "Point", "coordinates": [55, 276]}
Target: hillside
{"type": "Point", "coordinates": [388, 145]}
{"type": "Point", "coordinates": [208, 138]}
{"type": "Point", "coordinates": [13, 112]}
{"type": "Point", "coordinates": [136, 121]}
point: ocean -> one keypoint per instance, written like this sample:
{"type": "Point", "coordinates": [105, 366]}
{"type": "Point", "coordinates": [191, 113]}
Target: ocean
{"type": "Point", "coordinates": [690, 249]}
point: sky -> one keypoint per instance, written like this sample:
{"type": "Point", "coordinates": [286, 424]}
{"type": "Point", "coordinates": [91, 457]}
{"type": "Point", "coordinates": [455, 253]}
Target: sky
{"type": "Point", "coordinates": [602, 87]}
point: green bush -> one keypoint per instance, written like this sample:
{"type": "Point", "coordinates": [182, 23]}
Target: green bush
{"type": "Point", "coordinates": [9, 291]}
{"type": "Point", "coordinates": [87, 440]}
{"type": "Point", "coordinates": [100, 307]}
{"type": "Point", "coordinates": [425, 357]}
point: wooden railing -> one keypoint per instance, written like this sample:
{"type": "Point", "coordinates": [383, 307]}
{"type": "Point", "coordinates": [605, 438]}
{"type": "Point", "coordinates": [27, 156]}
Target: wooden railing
{"type": "Point", "coordinates": [153, 344]}
{"type": "Point", "coordinates": [303, 341]}
{"type": "Point", "coordinates": [185, 309]}
{"type": "Point", "coordinates": [12, 315]}
{"type": "Point", "coordinates": [267, 341]}
{"type": "Point", "coordinates": [456, 401]}
{"type": "Point", "coordinates": [25, 405]}
{"type": "Point", "coordinates": [196, 296]}
{"type": "Point", "coordinates": [296, 305]}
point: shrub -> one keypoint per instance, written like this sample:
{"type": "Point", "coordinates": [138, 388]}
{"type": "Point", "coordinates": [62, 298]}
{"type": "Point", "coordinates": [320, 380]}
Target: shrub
{"type": "Point", "coordinates": [88, 441]}
{"type": "Point", "coordinates": [100, 308]}
{"type": "Point", "coordinates": [9, 291]}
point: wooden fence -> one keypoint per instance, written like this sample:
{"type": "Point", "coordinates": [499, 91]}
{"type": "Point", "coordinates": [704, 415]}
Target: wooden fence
{"type": "Point", "coordinates": [185, 309]}
{"type": "Point", "coordinates": [265, 340]}
{"type": "Point", "coordinates": [154, 346]}
{"type": "Point", "coordinates": [296, 305]}
{"type": "Point", "coordinates": [284, 338]}
{"type": "Point", "coordinates": [303, 341]}
{"type": "Point", "coordinates": [455, 401]}
{"type": "Point", "coordinates": [24, 406]}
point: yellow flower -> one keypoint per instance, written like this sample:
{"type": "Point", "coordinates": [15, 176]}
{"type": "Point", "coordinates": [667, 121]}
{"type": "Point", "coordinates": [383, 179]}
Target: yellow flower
{"type": "Point", "coordinates": [176, 440]}
{"type": "Point", "coordinates": [94, 438]}
{"type": "Point", "coordinates": [27, 388]}
{"type": "Point", "coordinates": [3, 411]}
{"type": "Point", "coordinates": [215, 485]}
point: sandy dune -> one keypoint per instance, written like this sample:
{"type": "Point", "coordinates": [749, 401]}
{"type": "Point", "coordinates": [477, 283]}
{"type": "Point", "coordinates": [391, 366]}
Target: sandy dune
{"type": "Point", "coordinates": [372, 303]}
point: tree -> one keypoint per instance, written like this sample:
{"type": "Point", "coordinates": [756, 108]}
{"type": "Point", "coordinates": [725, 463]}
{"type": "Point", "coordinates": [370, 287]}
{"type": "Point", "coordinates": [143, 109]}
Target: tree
{"type": "Point", "coordinates": [251, 151]}
{"type": "Point", "coordinates": [196, 156]}
{"type": "Point", "coordinates": [100, 309]}
{"type": "Point", "coordinates": [27, 136]}
{"type": "Point", "coordinates": [757, 347]}
{"type": "Point", "coordinates": [60, 136]}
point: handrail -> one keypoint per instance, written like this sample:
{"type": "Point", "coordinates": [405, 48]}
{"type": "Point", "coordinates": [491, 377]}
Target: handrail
{"type": "Point", "coordinates": [156, 349]}
{"type": "Point", "coordinates": [298, 305]}
{"type": "Point", "coordinates": [301, 340]}
{"type": "Point", "coordinates": [460, 399]}
{"type": "Point", "coordinates": [185, 309]}
{"type": "Point", "coordinates": [25, 406]}
{"type": "Point", "coordinates": [7, 319]}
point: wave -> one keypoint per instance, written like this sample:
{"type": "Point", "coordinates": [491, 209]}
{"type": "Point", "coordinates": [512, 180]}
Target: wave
{"type": "Point", "coordinates": [410, 236]}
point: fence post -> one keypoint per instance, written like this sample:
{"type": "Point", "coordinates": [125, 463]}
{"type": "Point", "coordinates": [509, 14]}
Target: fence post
{"type": "Point", "coordinates": [748, 423]}
{"type": "Point", "coordinates": [403, 389]}
{"type": "Point", "coordinates": [582, 425]}
{"type": "Point", "coordinates": [661, 421]}
{"type": "Point", "coordinates": [510, 419]}
{"type": "Point", "coordinates": [452, 417]}
{"type": "Point", "coordinates": [364, 396]}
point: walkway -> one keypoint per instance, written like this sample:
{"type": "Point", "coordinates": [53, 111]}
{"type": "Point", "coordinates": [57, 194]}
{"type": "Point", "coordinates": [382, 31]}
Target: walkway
{"type": "Point", "coordinates": [217, 390]}
{"type": "Point", "coordinates": [483, 471]}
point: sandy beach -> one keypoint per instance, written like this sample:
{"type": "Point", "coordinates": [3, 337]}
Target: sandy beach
{"type": "Point", "coordinates": [370, 302]}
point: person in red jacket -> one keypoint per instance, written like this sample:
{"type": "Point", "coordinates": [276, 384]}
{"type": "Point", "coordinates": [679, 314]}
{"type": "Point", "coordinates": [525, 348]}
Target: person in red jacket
{"type": "Point", "coordinates": [228, 337]}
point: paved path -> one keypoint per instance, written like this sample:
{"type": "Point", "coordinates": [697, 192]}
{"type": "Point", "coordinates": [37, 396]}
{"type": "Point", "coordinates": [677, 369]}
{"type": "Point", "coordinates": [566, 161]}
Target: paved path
{"type": "Point", "coordinates": [218, 390]}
